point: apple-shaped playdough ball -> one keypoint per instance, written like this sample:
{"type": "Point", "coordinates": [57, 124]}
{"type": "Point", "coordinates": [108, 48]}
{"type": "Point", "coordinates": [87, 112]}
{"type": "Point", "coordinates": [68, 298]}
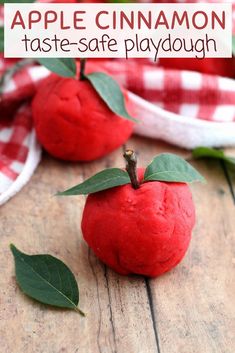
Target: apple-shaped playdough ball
{"type": "Point", "coordinates": [73, 123]}
{"type": "Point", "coordinates": [144, 230]}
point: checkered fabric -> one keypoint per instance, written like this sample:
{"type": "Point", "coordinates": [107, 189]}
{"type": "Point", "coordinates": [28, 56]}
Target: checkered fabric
{"type": "Point", "coordinates": [188, 94]}
{"type": "Point", "coordinates": [14, 142]}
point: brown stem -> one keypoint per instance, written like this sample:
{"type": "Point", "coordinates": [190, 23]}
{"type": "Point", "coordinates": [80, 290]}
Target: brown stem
{"type": "Point", "coordinates": [131, 160]}
{"type": "Point", "coordinates": [82, 69]}
{"type": "Point", "coordinates": [80, 311]}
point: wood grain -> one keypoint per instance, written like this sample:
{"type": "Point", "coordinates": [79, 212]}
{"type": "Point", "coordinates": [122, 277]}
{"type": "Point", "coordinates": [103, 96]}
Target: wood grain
{"type": "Point", "coordinates": [194, 304]}
{"type": "Point", "coordinates": [189, 310]}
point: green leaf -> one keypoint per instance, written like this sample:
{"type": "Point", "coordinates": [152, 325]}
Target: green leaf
{"type": "Point", "coordinates": [206, 152]}
{"type": "Point", "coordinates": [46, 279]}
{"type": "Point", "coordinates": [110, 92]}
{"type": "Point", "coordinates": [171, 168]}
{"type": "Point", "coordinates": [15, 1]}
{"type": "Point", "coordinates": [64, 67]}
{"type": "Point", "coordinates": [106, 179]}
{"type": "Point", "coordinates": [120, 1]}
{"type": "Point", "coordinates": [1, 39]}
{"type": "Point", "coordinates": [233, 45]}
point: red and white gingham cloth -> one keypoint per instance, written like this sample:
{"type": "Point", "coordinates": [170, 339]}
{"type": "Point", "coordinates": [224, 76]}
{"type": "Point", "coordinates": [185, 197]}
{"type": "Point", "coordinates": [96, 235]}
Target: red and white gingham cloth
{"type": "Point", "coordinates": [181, 107]}
{"type": "Point", "coordinates": [14, 145]}
{"type": "Point", "coordinates": [19, 152]}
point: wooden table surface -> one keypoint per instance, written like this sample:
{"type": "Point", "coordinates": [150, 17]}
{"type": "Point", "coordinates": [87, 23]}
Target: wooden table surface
{"type": "Point", "coordinates": [188, 310]}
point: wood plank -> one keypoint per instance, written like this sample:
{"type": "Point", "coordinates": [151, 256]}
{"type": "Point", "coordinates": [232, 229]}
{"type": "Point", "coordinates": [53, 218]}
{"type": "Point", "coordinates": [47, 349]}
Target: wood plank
{"type": "Point", "coordinates": [118, 313]}
{"type": "Point", "coordinates": [195, 304]}
{"type": "Point", "coordinates": [230, 172]}
{"type": "Point", "coordinates": [190, 309]}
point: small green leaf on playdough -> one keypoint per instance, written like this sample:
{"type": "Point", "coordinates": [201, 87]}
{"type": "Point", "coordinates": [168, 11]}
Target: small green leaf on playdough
{"type": "Point", "coordinates": [110, 92]}
{"type": "Point", "coordinates": [103, 180]}
{"type": "Point", "coordinates": [171, 168]}
{"type": "Point", "coordinates": [64, 66]}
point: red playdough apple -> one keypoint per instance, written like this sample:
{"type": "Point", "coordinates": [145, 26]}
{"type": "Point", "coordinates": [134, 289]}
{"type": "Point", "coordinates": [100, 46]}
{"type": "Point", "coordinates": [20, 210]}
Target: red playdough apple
{"type": "Point", "coordinates": [73, 123]}
{"type": "Point", "coordinates": [143, 231]}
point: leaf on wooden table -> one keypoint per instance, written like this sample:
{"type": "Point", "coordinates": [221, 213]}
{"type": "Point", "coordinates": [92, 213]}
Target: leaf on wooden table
{"type": "Point", "coordinates": [46, 279]}
{"type": "Point", "coordinates": [207, 152]}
